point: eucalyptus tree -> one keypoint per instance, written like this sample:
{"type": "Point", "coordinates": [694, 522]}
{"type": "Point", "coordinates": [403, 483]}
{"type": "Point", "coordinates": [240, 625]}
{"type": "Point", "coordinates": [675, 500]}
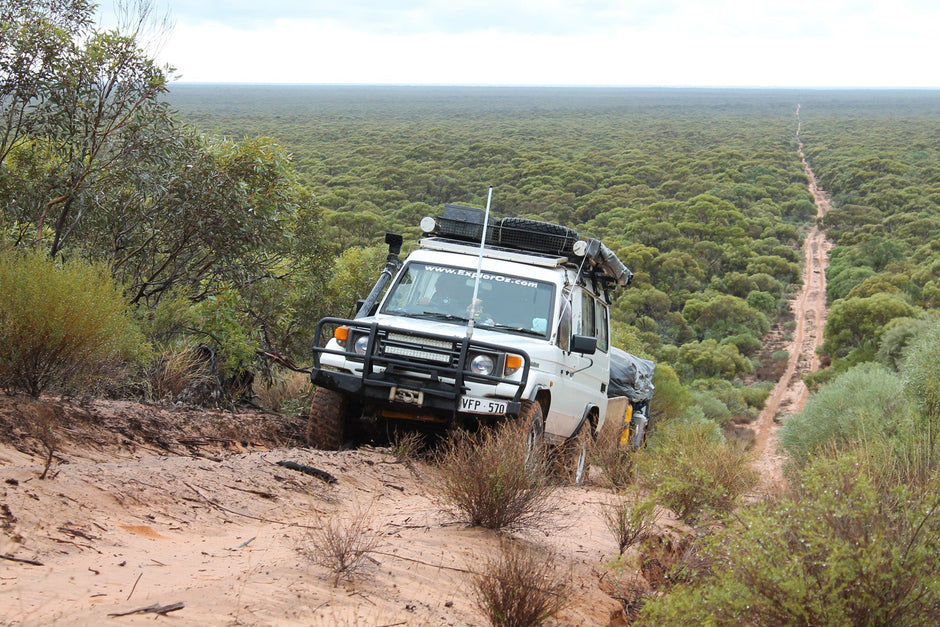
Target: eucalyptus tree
{"type": "Point", "coordinates": [75, 97]}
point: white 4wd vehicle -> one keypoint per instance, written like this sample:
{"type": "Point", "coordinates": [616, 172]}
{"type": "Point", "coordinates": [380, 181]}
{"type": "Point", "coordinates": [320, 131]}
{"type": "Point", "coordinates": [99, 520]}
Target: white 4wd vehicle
{"type": "Point", "coordinates": [534, 345]}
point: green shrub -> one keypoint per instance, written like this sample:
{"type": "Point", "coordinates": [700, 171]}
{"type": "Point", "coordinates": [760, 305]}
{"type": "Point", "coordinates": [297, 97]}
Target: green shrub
{"type": "Point", "coordinates": [692, 470]}
{"type": "Point", "coordinates": [746, 343]}
{"type": "Point", "coordinates": [712, 408]}
{"type": "Point", "coordinates": [756, 395]}
{"type": "Point", "coordinates": [920, 372]}
{"type": "Point", "coordinates": [866, 404]}
{"type": "Point", "coordinates": [63, 325]}
{"type": "Point", "coordinates": [671, 398]}
{"type": "Point", "coordinates": [729, 395]}
{"type": "Point", "coordinates": [224, 325]}
{"type": "Point", "coordinates": [898, 335]}
{"type": "Point", "coordinates": [834, 551]}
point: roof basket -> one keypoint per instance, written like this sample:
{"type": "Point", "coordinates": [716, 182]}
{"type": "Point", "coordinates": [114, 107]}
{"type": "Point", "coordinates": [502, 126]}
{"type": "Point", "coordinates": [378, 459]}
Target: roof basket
{"type": "Point", "coordinates": [464, 223]}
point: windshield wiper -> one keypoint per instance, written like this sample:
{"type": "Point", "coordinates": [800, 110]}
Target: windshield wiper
{"type": "Point", "coordinates": [509, 327]}
{"type": "Point", "coordinates": [437, 315]}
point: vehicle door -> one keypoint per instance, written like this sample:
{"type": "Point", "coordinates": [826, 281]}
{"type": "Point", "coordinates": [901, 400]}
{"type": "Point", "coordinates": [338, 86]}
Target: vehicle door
{"type": "Point", "coordinates": [583, 378]}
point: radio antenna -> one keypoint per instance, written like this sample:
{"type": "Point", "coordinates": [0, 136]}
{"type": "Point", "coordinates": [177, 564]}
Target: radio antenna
{"type": "Point", "coordinates": [476, 282]}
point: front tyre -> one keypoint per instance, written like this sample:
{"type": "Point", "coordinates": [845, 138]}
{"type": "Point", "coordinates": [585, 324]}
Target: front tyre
{"type": "Point", "coordinates": [326, 423]}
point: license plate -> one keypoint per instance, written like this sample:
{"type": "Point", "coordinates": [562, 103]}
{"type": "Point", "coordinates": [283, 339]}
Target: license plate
{"type": "Point", "coordinates": [480, 405]}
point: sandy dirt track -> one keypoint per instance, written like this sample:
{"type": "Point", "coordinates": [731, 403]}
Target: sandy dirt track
{"type": "Point", "coordinates": [126, 523]}
{"type": "Point", "coordinates": [809, 313]}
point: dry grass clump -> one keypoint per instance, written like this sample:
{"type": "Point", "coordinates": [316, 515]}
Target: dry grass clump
{"type": "Point", "coordinates": [520, 587]}
{"type": "Point", "coordinates": [287, 392]}
{"type": "Point", "coordinates": [488, 478]}
{"type": "Point", "coordinates": [617, 462]}
{"type": "Point", "coordinates": [407, 445]}
{"type": "Point", "coordinates": [630, 521]}
{"type": "Point", "coordinates": [341, 544]}
{"type": "Point", "coordinates": [178, 369]}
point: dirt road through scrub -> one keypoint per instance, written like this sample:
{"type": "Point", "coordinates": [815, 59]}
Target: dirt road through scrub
{"type": "Point", "coordinates": [809, 314]}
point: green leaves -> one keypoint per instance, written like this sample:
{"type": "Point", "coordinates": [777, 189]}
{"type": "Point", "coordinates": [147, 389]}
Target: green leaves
{"type": "Point", "coordinates": [62, 326]}
{"type": "Point", "coordinates": [833, 551]}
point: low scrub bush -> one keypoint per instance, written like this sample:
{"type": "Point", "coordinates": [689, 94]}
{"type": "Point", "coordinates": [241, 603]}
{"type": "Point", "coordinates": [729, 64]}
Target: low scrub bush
{"type": "Point", "coordinates": [920, 372]}
{"type": "Point", "coordinates": [488, 478]}
{"type": "Point", "coordinates": [520, 587]}
{"type": "Point", "coordinates": [630, 521]}
{"type": "Point", "coordinates": [833, 551]}
{"type": "Point", "coordinates": [614, 460]}
{"type": "Point", "coordinates": [866, 404]}
{"type": "Point", "coordinates": [63, 325]}
{"type": "Point", "coordinates": [756, 395]}
{"type": "Point", "coordinates": [341, 544]}
{"type": "Point", "coordinates": [690, 468]}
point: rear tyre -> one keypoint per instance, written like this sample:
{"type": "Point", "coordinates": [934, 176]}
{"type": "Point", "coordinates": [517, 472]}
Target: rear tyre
{"type": "Point", "coordinates": [326, 423]}
{"type": "Point", "coordinates": [577, 454]}
{"type": "Point", "coordinates": [572, 458]}
{"type": "Point", "coordinates": [531, 416]}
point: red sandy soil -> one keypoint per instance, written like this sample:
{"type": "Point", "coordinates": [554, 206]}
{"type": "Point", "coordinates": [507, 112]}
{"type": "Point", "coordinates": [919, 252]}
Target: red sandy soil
{"type": "Point", "coordinates": [149, 506]}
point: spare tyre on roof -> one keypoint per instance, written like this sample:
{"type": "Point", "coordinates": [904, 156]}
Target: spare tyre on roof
{"type": "Point", "coordinates": [543, 237]}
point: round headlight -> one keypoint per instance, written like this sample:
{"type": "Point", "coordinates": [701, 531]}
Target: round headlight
{"type": "Point", "coordinates": [362, 343]}
{"type": "Point", "coordinates": [482, 364]}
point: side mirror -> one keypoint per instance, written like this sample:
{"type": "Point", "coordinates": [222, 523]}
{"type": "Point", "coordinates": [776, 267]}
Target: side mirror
{"type": "Point", "coordinates": [584, 344]}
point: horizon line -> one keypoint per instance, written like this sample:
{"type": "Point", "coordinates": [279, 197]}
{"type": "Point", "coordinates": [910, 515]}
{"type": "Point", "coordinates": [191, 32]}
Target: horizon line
{"type": "Point", "coordinates": [558, 85]}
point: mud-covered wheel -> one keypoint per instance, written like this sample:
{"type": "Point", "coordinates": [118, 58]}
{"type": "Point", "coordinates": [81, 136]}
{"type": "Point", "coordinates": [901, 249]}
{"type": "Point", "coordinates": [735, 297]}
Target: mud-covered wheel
{"type": "Point", "coordinates": [531, 416]}
{"type": "Point", "coordinates": [326, 423]}
{"type": "Point", "coordinates": [575, 455]}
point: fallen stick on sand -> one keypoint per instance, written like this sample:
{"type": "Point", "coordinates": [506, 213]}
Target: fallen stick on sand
{"type": "Point", "coordinates": [7, 556]}
{"type": "Point", "coordinates": [156, 608]}
{"type": "Point", "coordinates": [309, 470]}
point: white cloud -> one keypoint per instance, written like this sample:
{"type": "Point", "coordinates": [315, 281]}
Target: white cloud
{"type": "Point", "coordinates": [560, 42]}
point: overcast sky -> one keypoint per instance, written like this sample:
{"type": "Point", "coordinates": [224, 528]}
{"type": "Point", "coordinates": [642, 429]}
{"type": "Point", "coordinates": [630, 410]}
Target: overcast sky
{"type": "Point", "coordinates": [812, 43]}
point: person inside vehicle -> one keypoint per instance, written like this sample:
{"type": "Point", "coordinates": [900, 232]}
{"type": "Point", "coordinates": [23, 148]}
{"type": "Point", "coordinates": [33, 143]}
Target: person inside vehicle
{"type": "Point", "coordinates": [447, 294]}
{"type": "Point", "coordinates": [449, 297]}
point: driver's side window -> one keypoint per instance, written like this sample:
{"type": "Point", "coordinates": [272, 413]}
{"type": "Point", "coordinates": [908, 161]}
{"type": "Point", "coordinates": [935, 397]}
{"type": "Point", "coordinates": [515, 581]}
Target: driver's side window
{"type": "Point", "coordinates": [564, 324]}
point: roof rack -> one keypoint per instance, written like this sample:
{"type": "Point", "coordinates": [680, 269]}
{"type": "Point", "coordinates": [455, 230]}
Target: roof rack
{"type": "Point", "coordinates": [462, 224]}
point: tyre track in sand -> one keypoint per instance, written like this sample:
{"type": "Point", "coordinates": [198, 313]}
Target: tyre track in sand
{"type": "Point", "coordinates": [809, 312]}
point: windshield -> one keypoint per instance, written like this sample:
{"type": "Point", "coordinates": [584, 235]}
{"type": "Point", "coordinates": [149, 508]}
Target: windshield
{"type": "Point", "coordinates": [504, 302]}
